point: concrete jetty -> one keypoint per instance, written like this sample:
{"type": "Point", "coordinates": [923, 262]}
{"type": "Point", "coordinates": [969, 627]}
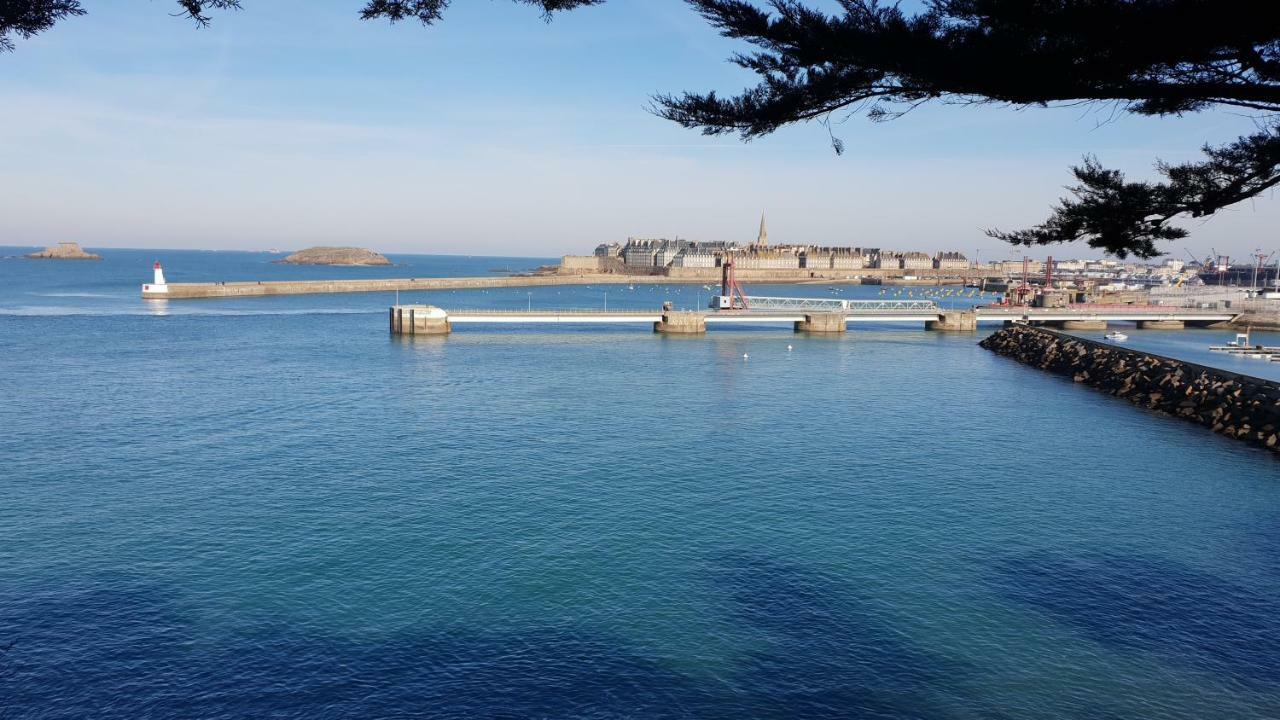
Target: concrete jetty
{"type": "Point", "coordinates": [192, 291]}
{"type": "Point", "coordinates": [412, 319]}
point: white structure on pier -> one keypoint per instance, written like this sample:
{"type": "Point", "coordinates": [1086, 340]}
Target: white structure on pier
{"type": "Point", "coordinates": [158, 285]}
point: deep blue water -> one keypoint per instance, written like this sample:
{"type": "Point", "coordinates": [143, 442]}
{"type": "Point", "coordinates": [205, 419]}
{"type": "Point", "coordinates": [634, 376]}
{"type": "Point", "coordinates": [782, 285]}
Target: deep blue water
{"type": "Point", "coordinates": [269, 508]}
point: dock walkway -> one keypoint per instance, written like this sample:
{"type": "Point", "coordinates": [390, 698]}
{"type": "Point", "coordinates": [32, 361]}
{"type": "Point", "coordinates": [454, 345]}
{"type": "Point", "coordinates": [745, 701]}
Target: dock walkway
{"type": "Point", "coordinates": [428, 319]}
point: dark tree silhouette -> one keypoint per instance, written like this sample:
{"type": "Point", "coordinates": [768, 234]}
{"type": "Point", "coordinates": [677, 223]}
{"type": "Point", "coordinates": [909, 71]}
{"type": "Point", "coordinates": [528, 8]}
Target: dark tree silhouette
{"type": "Point", "coordinates": [26, 18]}
{"type": "Point", "coordinates": [429, 11]}
{"type": "Point", "coordinates": [1146, 57]}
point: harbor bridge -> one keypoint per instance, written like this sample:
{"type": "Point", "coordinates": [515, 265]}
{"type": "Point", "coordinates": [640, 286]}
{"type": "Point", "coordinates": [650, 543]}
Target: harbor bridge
{"type": "Point", "coordinates": [818, 315]}
{"type": "Point", "coordinates": [811, 315]}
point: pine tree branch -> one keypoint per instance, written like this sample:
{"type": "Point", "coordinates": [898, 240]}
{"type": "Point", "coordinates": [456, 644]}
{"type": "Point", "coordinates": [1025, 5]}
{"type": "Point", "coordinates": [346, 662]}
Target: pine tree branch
{"type": "Point", "coordinates": [1131, 217]}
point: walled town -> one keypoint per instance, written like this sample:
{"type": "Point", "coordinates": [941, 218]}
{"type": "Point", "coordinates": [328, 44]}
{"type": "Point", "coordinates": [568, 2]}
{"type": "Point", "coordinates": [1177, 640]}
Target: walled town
{"type": "Point", "coordinates": [682, 259]}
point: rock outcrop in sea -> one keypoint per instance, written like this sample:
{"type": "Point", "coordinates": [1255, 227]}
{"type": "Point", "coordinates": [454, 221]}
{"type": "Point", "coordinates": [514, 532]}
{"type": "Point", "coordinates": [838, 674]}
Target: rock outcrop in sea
{"type": "Point", "coordinates": [336, 256]}
{"type": "Point", "coordinates": [64, 251]}
{"type": "Point", "coordinates": [1238, 406]}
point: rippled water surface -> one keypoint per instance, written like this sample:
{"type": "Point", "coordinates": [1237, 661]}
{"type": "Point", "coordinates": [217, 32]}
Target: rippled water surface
{"type": "Point", "coordinates": [269, 508]}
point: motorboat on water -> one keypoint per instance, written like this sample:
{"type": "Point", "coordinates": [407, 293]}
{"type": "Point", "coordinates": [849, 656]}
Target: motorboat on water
{"type": "Point", "coordinates": [1116, 336]}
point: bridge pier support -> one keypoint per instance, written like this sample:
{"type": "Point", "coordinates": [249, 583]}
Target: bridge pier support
{"type": "Point", "coordinates": [1081, 324]}
{"type": "Point", "coordinates": [958, 321]}
{"type": "Point", "coordinates": [833, 322]}
{"type": "Point", "coordinates": [1161, 324]}
{"type": "Point", "coordinates": [419, 320]}
{"type": "Point", "coordinates": [678, 322]}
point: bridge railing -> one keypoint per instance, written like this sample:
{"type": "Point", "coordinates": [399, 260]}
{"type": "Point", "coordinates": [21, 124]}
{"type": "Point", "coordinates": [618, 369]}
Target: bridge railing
{"type": "Point", "coordinates": [1122, 307]}
{"type": "Point", "coordinates": [890, 305]}
{"type": "Point", "coordinates": [840, 305]}
{"type": "Point", "coordinates": [551, 311]}
{"type": "Point", "coordinates": [1099, 309]}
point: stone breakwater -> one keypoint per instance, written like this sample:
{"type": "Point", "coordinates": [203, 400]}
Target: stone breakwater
{"type": "Point", "coordinates": [184, 291]}
{"type": "Point", "coordinates": [1238, 406]}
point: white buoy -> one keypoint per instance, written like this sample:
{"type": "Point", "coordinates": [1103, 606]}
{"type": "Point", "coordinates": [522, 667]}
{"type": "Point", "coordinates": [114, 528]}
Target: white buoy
{"type": "Point", "coordinates": [745, 356]}
{"type": "Point", "coordinates": [788, 348]}
{"type": "Point", "coordinates": [158, 286]}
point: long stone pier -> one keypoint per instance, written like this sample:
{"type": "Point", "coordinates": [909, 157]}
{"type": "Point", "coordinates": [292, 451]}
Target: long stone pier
{"type": "Point", "coordinates": [241, 289]}
{"type": "Point", "coordinates": [193, 291]}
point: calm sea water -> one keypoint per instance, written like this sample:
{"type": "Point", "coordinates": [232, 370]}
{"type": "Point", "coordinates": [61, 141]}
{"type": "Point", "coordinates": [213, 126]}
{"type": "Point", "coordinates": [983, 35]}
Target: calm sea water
{"type": "Point", "coordinates": [269, 508]}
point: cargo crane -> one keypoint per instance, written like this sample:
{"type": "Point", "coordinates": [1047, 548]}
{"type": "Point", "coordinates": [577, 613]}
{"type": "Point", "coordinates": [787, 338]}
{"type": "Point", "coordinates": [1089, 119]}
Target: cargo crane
{"type": "Point", "coordinates": [1221, 264]}
{"type": "Point", "coordinates": [1262, 260]}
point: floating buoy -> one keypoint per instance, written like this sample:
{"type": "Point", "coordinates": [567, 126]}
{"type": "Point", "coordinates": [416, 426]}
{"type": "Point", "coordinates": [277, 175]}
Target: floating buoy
{"type": "Point", "coordinates": [745, 356]}
{"type": "Point", "coordinates": [788, 348]}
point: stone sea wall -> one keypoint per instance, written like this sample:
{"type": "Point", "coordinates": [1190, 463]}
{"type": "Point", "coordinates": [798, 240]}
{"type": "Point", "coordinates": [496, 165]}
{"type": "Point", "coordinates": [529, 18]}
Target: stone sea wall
{"type": "Point", "coordinates": [1257, 320]}
{"type": "Point", "coordinates": [1238, 406]}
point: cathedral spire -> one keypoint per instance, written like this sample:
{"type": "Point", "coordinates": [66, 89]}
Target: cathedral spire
{"type": "Point", "coordinates": [762, 240]}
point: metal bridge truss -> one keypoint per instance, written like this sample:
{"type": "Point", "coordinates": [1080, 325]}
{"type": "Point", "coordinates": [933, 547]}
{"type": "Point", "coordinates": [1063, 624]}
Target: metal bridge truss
{"type": "Point", "coordinates": [838, 305]}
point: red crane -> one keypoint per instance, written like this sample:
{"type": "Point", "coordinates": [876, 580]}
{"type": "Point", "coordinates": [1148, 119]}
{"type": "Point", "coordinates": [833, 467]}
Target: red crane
{"type": "Point", "coordinates": [729, 287]}
{"type": "Point", "coordinates": [1024, 290]}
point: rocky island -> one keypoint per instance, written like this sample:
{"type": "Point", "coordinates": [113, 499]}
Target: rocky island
{"type": "Point", "coordinates": [64, 251]}
{"type": "Point", "coordinates": [336, 256]}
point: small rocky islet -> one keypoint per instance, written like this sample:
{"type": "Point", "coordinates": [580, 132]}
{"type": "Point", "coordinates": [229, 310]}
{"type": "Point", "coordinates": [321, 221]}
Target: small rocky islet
{"type": "Point", "coordinates": [64, 251]}
{"type": "Point", "coordinates": [323, 255]}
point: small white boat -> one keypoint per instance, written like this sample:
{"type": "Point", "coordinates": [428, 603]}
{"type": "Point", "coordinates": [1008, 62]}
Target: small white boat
{"type": "Point", "coordinates": [1116, 336]}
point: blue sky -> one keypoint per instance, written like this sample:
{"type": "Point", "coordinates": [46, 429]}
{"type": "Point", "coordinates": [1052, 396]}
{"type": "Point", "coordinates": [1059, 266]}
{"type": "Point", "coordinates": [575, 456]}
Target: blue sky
{"type": "Point", "coordinates": [293, 123]}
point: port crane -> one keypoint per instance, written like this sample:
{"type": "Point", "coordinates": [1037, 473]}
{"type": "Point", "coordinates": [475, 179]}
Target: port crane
{"type": "Point", "coordinates": [1262, 260]}
{"type": "Point", "coordinates": [1196, 261]}
{"type": "Point", "coordinates": [1221, 264]}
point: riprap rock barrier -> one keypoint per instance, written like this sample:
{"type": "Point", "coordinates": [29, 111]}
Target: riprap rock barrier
{"type": "Point", "coordinates": [1239, 406]}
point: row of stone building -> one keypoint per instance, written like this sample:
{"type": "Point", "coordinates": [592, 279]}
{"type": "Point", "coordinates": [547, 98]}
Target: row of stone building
{"type": "Point", "coordinates": [646, 254]}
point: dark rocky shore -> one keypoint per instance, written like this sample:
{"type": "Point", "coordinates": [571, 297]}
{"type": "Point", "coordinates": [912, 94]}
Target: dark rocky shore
{"type": "Point", "coordinates": [1238, 406]}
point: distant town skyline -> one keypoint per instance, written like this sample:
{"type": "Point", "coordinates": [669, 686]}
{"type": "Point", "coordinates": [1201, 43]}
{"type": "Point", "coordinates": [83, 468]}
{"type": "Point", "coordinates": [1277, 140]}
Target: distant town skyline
{"type": "Point", "coordinates": [292, 124]}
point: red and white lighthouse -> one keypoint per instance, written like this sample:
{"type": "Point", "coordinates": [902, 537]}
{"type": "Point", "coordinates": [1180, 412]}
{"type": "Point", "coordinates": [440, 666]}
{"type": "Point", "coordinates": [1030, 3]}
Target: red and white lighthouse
{"type": "Point", "coordinates": [158, 287]}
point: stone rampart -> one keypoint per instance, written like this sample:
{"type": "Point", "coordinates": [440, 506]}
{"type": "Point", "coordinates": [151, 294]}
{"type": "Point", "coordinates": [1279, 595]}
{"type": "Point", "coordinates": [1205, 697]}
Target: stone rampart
{"type": "Point", "coordinates": [1238, 406]}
